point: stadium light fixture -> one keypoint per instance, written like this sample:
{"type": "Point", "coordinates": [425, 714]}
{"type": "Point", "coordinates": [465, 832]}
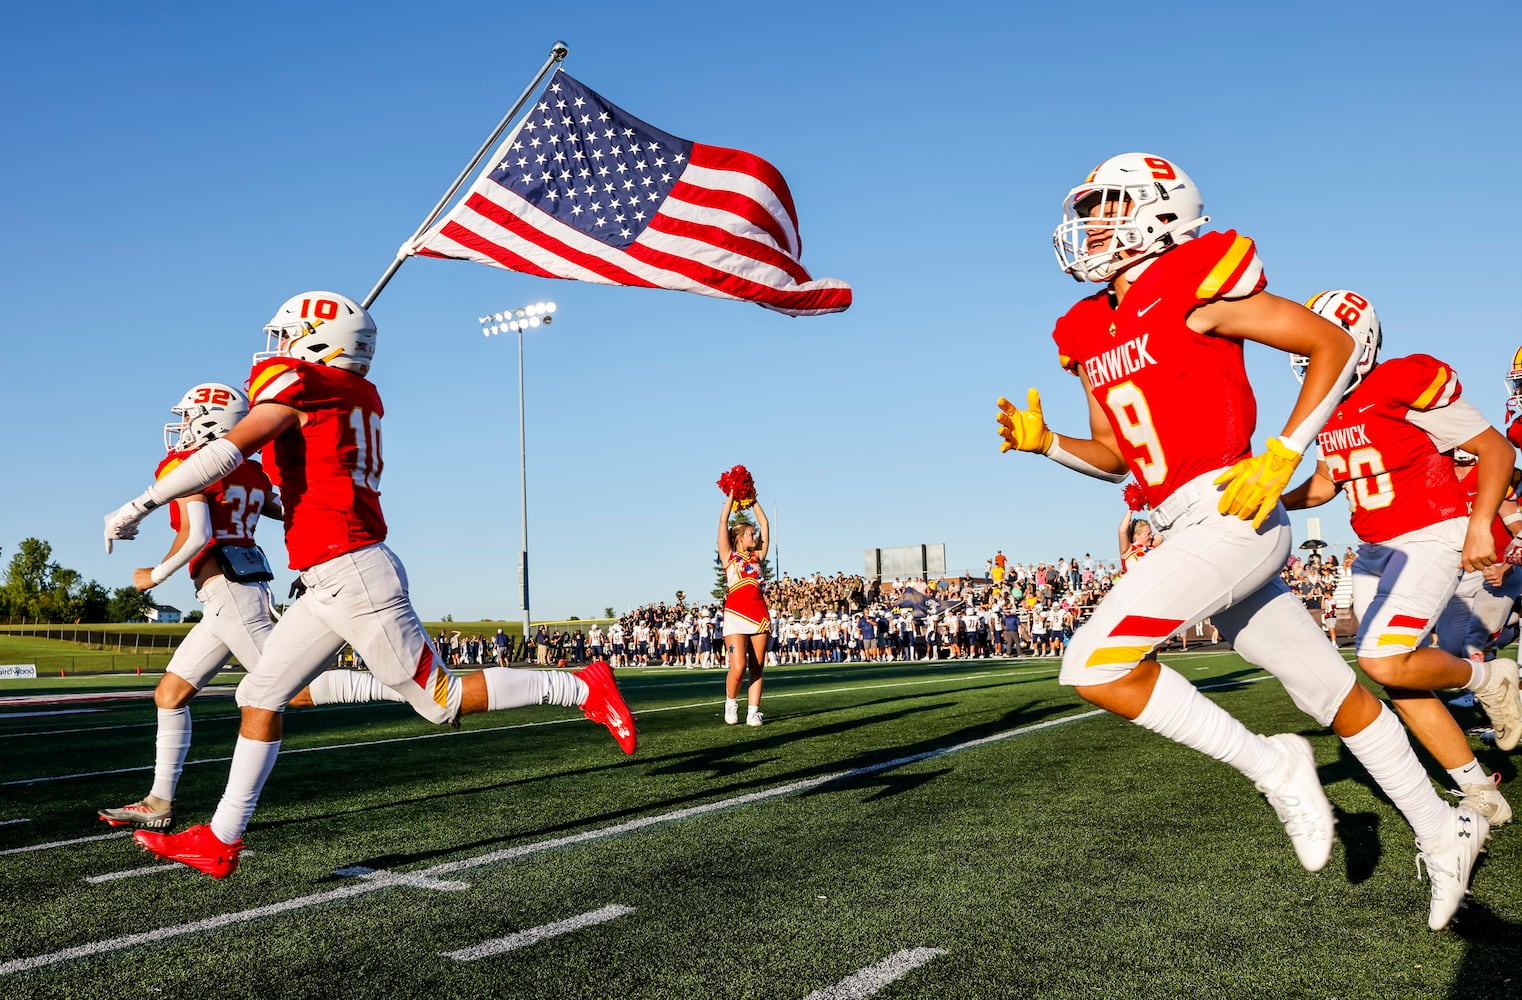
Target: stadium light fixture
{"type": "Point", "coordinates": [516, 321]}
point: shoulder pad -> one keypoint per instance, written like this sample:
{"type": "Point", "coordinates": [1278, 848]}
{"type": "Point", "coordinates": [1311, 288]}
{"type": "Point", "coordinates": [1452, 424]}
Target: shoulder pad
{"type": "Point", "coordinates": [1419, 381]}
{"type": "Point", "coordinates": [271, 378]}
{"type": "Point", "coordinates": [1220, 265]}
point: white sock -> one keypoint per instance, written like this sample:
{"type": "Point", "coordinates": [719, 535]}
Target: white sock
{"type": "Point", "coordinates": [252, 762]}
{"type": "Point", "coordinates": [169, 749]}
{"type": "Point", "coordinates": [1479, 674]}
{"type": "Point", "coordinates": [1180, 712]}
{"type": "Point", "coordinates": [564, 688]}
{"type": "Point", "coordinates": [1470, 774]}
{"type": "Point", "coordinates": [1385, 752]}
{"type": "Point", "coordinates": [350, 687]}
{"type": "Point", "coordinates": [507, 687]}
{"type": "Point", "coordinates": [753, 710]}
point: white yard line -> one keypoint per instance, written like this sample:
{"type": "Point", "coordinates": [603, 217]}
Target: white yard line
{"type": "Point", "coordinates": [362, 886]}
{"type": "Point", "coordinates": [134, 872]}
{"type": "Point", "coordinates": [8, 822]}
{"type": "Point", "coordinates": [872, 979]}
{"type": "Point", "coordinates": [534, 935]}
{"type": "Point", "coordinates": [145, 870]}
{"type": "Point", "coordinates": [49, 712]}
{"type": "Point", "coordinates": [64, 843]}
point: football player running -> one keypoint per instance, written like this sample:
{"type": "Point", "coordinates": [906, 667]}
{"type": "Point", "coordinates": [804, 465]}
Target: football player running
{"type": "Point", "coordinates": [214, 538]}
{"type": "Point", "coordinates": [1474, 624]}
{"type": "Point", "coordinates": [1160, 345]}
{"type": "Point", "coordinates": [1383, 446]}
{"type": "Point", "coordinates": [319, 415]}
{"type": "Point", "coordinates": [1514, 400]}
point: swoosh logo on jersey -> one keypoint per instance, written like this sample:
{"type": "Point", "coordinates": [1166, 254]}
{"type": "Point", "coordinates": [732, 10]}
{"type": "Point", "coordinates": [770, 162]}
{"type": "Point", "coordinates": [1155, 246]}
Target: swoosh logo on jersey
{"type": "Point", "coordinates": [1366, 409]}
{"type": "Point", "coordinates": [1142, 312]}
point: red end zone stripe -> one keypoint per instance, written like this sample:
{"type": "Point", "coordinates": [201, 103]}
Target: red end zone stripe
{"type": "Point", "coordinates": [1143, 626]}
{"type": "Point", "coordinates": [1406, 621]}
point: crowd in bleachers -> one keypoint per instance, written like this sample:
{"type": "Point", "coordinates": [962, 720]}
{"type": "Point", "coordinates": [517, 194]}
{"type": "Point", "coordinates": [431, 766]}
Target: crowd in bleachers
{"type": "Point", "coordinates": [1012, 609]}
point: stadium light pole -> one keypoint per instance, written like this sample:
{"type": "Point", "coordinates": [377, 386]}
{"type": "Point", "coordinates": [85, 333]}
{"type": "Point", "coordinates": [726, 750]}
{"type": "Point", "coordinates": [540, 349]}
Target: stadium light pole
{"type": "Point", "coordinates": [516, 321]}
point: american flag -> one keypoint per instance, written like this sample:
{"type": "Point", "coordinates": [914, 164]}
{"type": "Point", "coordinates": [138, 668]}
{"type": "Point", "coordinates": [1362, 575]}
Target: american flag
{"type": "Point", "coordinates": [582, 189]}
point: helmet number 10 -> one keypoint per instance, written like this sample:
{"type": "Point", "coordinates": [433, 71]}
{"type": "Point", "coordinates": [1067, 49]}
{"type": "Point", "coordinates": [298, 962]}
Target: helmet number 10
{"type": "Point", "coordinates": [367, 448]}
{"type": "Point", "coordinates": [319, 309]}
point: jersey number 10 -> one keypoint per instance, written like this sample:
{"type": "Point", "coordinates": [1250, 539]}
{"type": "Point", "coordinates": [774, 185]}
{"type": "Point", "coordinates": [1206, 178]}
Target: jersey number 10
{"type": "Point", "coordinates": [367, 445]}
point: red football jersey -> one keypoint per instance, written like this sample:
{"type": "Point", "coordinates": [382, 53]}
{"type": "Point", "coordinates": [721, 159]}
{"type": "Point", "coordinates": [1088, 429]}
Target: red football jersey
{"type": "Point", "coordinates": [329, 468]}
{"type": "Point", "coordinates": [1499, 533]}
{"type": "Point", "coordinates": [1514, 432]}
{"type": "Point", "coordinates": [234, 502]}
{"type": "Point", "coordinates": [1179, 401]}
{"type": "Point", "coordinates": [1396, 479]}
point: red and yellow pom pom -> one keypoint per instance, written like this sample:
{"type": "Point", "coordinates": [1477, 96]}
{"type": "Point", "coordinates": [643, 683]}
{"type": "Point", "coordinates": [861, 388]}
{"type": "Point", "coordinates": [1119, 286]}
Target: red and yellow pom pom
{"type": "Point", "coordinates": [738, 483]}
{"type": "Point", "coordinates": [1134, 497]}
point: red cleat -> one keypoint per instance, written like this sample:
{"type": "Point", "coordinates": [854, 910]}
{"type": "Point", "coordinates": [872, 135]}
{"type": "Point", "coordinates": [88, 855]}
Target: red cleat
{"type": "Point", "coordinates": [197, 847]}
{"type": "Point", "coordinates": [605, 705]}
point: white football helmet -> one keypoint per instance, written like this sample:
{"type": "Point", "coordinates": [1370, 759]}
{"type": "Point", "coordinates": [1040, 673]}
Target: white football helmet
{"type": "Point", "coordinates": [322, 327]}
{"type": "Point", "coordinates": [1514, 383]}
{"type": "Point", "coordinates": [1144, 203]}
{"type": "Point", "coordinates": [1462, 457]}
{"type": "Point", "coordinates": [207, 411]}
{"type": "Point", "coordinates": [1353, 313]}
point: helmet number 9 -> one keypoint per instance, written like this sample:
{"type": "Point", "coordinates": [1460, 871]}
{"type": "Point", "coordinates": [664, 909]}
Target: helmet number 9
{"type": "Point", "coordinates": [319, 309]}
{"type": "Point", "coordinates": [1162, 170]}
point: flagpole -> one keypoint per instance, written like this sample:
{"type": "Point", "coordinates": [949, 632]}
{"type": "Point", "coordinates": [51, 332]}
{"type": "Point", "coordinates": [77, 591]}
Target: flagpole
{"type": "Point", "coordinates": [558, 51]}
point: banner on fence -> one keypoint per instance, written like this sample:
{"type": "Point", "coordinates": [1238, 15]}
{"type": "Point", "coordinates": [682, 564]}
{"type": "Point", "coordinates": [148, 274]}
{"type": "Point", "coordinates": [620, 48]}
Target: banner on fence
{"type": "Point", "coordinates": [18, 670]}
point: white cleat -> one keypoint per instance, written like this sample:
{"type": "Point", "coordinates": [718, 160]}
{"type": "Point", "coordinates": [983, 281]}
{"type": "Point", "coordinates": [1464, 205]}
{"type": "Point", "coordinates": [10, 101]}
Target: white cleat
{"type": "Point", "coordinates": [1449, 861]}
{"type": "Point", "coordinates": [1486, 799]}
{"type": "Point", "coordinates": [753, 717]}
{"type": "Point", "coordinates": [1300, 803]}
{"type": "Point", "coordinates": [1501, 698]}
{"type": "Point", "coordinates": [731, 711]}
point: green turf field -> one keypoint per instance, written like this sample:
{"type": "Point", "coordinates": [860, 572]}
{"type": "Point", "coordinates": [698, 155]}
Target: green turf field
{"type": "Point", "coordinates": [967, 829]}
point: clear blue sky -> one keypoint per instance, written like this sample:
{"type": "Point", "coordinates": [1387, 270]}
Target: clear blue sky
{"type": "Point", "coordinates": [175, 171]}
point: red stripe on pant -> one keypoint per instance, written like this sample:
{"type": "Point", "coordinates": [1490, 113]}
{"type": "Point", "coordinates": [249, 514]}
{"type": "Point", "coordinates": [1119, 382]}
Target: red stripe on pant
{"type": "Point", "coordinates": [424, 667]}
{"type": "Point", "coordinates": [1143, 626]}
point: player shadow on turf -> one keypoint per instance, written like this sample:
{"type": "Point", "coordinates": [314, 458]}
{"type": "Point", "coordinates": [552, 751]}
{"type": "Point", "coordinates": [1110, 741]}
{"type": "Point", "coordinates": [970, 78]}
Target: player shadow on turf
{"type": "Point", "coordinates": [1234, 680]}
{"type": "Point", "coordinates": [721, 759]}
{"type": "Point", "coordinates": [904, 754]}
{"type": "Point", "coordinates": [1358, 831]}
{"type": "Point", "coordinates": [1492, 962]}
{"type": "Point", "coordinates": [888, 783]}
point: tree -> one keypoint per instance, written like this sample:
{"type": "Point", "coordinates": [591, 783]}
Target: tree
{"type": "Point", "coordinates": [38, 588]}
{"type": "Point", "coordinates": [94, 602]}
{"type": "Point", "coordinates": [28, 577]}
{"type": "Point", "coordinates": [128, 604]}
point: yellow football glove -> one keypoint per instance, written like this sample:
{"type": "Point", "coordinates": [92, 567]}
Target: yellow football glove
{"type": "Point", "coordinates": [1024, 430]}
{"type": "Point", "coordinates": [1254, 484]}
